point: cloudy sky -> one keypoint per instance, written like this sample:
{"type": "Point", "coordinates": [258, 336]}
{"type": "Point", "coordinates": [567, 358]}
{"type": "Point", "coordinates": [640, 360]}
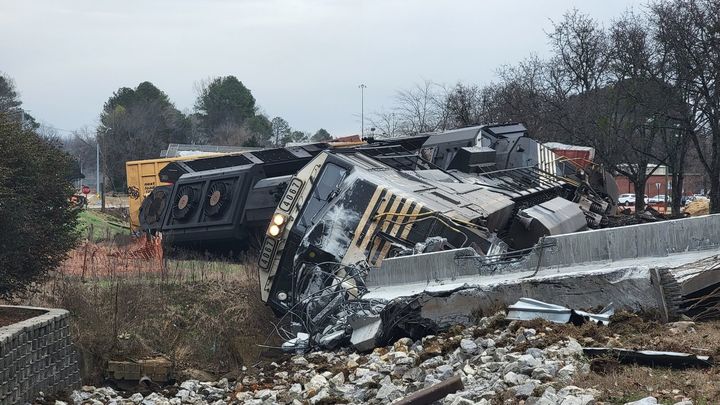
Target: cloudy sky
{"type": "Point", "coordinates": [302, 59]}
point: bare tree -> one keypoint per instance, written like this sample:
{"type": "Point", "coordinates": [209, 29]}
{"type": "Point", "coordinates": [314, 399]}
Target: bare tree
{"type": "Point", "coordinates": [581, 48]}
{"type": "Point", "coordinates": [688, 33]}
{"type": "Point", "coordinates": [230, 133]}
{"type": "Point", "coordinates": [386, 122]}
{"type": "Point", "coordinates": [421, 109]}
{"type": "Point", "coordinates": [82, 145]}
{"type": "Point", "coordinates": [466, 105]}
{"type": "Point", "coordinates": [524, 94]}
{"type": "Point", "coordinates": [280, 130]}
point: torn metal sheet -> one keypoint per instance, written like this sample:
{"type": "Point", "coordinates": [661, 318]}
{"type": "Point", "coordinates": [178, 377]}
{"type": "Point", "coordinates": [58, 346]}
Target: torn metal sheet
{"type": "Point", "coordinates": [527, 309]}
{"type": "Point", "coordinates": [300, 343]}
{"type": "Point", "coordinates": [650, 357]}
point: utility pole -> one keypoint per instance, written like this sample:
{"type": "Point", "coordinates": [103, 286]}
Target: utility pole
{"type": "Point", "coordinates": [666, 189]}
{"type": "Point", "coordinates": [362, 87]}
{"type": "Point", "coordinates": [99, 184]}
{"type": "Point", "coordinates": [97, 165]}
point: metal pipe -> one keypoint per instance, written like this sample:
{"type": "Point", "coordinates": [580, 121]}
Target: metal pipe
{"type": "Point", "coordinates": [362, 110]}
{"type": "Point", "coordinates": [433, 393]}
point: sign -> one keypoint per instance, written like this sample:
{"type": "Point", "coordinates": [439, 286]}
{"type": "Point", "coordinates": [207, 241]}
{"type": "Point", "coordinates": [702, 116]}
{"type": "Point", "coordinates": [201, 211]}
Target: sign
{"type": "Point", "coordinates": [85, 190]}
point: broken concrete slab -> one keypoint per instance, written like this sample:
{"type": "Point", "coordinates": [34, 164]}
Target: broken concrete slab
{"type": "Point", "coordinates": [555, 276]}
{"type": "Point", "coordinates": [433, 266]}
{"type": "Point", "coordinates": [365, 332]}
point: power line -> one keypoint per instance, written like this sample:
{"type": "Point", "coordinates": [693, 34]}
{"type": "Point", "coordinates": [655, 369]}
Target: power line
{"type": "Point", "coordinates": [58, 129]}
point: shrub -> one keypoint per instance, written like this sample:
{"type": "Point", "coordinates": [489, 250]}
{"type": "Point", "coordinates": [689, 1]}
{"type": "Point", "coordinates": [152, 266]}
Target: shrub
{"type": "Point", "coordinates": [37, 224]}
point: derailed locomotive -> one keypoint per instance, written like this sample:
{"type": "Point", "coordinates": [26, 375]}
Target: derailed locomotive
{"type": "Point", "coordinates": [491, 188]}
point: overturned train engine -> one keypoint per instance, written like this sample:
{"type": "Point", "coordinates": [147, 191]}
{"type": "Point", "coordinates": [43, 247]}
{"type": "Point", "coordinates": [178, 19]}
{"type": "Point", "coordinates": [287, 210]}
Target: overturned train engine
{"type": "Point", "coordinates": [489, 188]}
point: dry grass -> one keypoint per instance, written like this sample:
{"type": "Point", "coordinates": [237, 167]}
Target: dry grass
{"type": "Point", "coordinates": [201, 314]}
{"type": "Point", "coordinates": [631, 382]}
{"type": "Point", "coordinates": [621, 383]}
{"type": "Point", "coordinates": [636, 332]}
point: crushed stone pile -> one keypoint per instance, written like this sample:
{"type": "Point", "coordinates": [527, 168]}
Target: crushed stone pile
{"type": "Point", "coordinates": [496, 362]}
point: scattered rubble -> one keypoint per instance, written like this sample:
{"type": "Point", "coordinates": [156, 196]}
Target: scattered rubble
{"type": "Point", "coordinates": [496, 361]}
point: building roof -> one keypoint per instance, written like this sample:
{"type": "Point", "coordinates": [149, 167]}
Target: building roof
{"type": "Point", "coordinates": [183, 149]}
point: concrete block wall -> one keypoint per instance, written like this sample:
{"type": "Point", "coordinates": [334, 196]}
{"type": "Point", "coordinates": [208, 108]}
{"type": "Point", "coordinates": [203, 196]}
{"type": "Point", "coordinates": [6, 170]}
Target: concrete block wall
{"type": "Point", "coordinates": [37, 355]}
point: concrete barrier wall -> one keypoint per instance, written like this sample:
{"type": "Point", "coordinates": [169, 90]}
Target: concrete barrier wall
{"type": "Point", "coordinates": [37, 355]}
{"type": "Point", "coordinates": [656, 239]}
{"type": "Point", "coordinates": [433, 266]}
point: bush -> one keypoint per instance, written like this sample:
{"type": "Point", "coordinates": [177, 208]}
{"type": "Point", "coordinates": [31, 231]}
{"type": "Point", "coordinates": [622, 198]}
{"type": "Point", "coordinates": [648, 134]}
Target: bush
{"type": "Point", "coordinates": [37, 224]}
{"type": "Point", "coordinates": [202, 315]}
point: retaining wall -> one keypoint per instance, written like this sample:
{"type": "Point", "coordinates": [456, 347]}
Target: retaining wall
{"type": "Point", "coordinates": [37, 355]}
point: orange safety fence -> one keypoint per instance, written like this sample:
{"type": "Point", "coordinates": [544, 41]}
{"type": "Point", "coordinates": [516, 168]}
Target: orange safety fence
{"type": "Point", "coordinates": [142, 255]}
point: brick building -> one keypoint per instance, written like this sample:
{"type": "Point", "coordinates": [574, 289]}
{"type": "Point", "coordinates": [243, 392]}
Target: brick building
{"type": "Point", "coordinates": [694, 183]}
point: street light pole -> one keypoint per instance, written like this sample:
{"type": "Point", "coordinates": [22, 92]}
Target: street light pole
{"type": "Point", "coordinates": [97, 165]}
{"type": "Point", "coordinates": [362, 87]}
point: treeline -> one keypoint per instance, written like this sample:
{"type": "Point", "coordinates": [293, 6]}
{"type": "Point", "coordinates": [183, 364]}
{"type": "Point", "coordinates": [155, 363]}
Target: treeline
{"type": "Point", "coordinates": [643, 92]}
{"type": "Point", "coordinates": [137, 123]}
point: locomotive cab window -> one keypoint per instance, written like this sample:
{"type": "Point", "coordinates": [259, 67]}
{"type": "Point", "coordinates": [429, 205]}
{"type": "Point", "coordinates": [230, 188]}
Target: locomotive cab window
{"type": "Point", "coordinates": [324, 190]}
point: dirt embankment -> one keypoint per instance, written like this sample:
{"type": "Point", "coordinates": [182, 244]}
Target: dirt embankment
{"type": "Point", "coordinates": [9, 316]}
{"type": "Point", "coordinates": [202, 315]}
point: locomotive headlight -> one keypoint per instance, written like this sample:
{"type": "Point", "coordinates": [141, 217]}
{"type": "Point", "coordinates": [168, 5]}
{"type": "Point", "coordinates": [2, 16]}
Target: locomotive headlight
{"type": "Point", "coordinates": [274, 230]}
{"type": "Point", "coordinates": [278, 219]}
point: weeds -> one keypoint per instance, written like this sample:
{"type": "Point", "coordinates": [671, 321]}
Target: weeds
{"type": "Point", "coordinates": [201, 314]}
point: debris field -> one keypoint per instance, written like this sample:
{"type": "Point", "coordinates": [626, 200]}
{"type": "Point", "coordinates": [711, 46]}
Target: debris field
{"type": "Point", "coordinates": [380, 258]}
{"type": "Point", "coordinates": [496, 360]}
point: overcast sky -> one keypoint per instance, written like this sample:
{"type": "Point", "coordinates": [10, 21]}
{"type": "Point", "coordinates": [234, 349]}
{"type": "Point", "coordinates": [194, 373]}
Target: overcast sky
{"type": "Point", "coordinates": [302, 59]}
